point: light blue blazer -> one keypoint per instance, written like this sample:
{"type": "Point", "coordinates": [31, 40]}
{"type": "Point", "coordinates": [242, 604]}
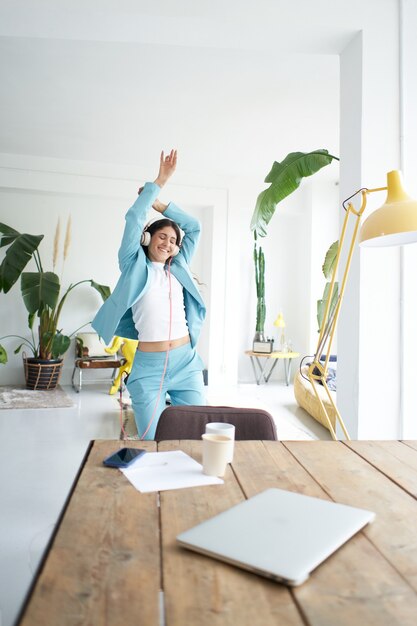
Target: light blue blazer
{"type": "Point", "coordinates": [115, 315]}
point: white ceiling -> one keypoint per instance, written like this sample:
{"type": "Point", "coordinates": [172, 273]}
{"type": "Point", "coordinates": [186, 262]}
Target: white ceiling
{"type": "Point", "coordinates": [234, 84]}
{"type": "Point", "coordinates": [314, 26]}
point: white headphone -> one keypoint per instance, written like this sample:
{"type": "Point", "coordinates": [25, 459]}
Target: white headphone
{"type": "Point", "coordinates": [145, 239]}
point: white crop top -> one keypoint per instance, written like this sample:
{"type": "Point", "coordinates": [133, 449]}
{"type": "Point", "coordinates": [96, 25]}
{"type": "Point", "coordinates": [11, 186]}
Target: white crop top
{"type": "Point", "coordinates": [152, 311]}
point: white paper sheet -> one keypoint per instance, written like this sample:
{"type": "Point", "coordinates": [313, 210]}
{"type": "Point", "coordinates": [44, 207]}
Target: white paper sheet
{"type": "Point", "coordinates": [159, 471]}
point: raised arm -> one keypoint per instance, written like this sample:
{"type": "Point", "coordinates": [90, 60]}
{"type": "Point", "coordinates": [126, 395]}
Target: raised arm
{"type": "Point", "coordinates": [167, 166]}
{"type": "Point", "coordinates": [137, 214]}
{"type": "Point", "coordinates": [189, 225]}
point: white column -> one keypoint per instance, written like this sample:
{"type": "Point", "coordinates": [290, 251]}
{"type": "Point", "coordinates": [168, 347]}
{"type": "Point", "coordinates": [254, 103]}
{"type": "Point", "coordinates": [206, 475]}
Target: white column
{"type": "Point", "coordinates": [350, 177]}
{"type": "Point", "coordinates": [369, 379]}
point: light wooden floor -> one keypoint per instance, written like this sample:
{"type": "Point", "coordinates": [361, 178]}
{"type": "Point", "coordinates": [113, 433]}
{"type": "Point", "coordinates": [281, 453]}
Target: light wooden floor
{"type": "Point", "coordinates": [41, 451]}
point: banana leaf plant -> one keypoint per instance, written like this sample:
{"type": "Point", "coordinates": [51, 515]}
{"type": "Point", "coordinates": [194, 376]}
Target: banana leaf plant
{"type": "Point", "coordinates": [284, 179]}
{"type": "Point", "coordinates": [327, 269]}
{"type": "Point", "coordinates": [41, 293]}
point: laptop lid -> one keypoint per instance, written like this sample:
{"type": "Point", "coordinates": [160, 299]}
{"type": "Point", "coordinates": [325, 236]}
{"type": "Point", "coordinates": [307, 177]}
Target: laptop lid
{"type": "Point", "coordinates": [278, 534]}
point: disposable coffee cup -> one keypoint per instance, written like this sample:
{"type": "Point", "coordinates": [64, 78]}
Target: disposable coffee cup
{"type": "Point", "coordinates": [222, 428]}
{"type": "Point", "coordinates": [216, 451]}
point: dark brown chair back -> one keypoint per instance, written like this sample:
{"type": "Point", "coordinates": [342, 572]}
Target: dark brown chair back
{"type": "Point", "coordinates": [189, 422]}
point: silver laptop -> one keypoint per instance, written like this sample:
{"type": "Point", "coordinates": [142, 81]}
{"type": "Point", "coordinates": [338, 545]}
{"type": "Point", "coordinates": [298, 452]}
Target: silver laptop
{"type": "Point", "coordinates": [278, 534]}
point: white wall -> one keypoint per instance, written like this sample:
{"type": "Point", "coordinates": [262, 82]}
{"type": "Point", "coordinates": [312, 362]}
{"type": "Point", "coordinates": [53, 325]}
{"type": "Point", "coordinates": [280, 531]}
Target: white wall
{"type": "Point", "coordinates": [372, 389]}
{"type": "Point", "coordinates": [408, 152]}
{"type": "Point", "coordinates": [350, 180]}
{"type": "Point", "coordinates": [118, 104]}
{"type": "Point", "coordinates": [370, 316]}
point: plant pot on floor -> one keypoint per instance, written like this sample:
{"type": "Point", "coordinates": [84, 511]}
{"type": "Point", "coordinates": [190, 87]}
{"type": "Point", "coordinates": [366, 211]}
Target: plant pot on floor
{"type": "Point", "coordinates": [42, 374]}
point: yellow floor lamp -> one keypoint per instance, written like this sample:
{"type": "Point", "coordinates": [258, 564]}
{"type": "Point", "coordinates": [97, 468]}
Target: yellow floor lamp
{"type": "Point", "coordinates": [393, 224]}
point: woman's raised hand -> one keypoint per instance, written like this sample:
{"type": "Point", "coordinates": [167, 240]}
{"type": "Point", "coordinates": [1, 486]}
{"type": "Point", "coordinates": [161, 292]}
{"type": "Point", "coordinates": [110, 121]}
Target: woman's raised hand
{"type": "Point", "coordinates": [167, 165]}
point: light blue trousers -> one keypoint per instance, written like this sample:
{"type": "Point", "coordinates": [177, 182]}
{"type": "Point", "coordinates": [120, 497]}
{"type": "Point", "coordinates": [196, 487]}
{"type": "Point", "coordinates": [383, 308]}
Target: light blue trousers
{"type": "Point", "coordinates": [183, 381]}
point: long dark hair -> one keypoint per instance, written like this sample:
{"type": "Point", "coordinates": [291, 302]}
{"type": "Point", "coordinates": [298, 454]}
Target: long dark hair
{"type": "Point", "coordinates": [158, 225]}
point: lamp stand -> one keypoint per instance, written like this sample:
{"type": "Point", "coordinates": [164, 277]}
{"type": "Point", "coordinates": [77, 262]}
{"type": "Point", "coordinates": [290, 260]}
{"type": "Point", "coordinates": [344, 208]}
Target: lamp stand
{"type": "Point", "coordinates": [317, 371]}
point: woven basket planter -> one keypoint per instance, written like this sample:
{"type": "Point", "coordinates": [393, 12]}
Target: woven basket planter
{"type": "Point", "coordinates": [42, 374]}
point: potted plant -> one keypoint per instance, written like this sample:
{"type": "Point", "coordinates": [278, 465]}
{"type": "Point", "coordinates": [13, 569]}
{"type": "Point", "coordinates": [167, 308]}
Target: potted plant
{"type": "Point", "coordinates": [284, 178]}
{"type": "Point", "coordinates": [42, 297]}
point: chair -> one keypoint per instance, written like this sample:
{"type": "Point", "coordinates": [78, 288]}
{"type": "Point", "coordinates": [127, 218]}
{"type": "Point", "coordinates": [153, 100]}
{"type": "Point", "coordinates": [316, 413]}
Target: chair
{"type": "Point", "coordinates": [91, 355]}
{"type": "Point", "coordinates": [189, 422]}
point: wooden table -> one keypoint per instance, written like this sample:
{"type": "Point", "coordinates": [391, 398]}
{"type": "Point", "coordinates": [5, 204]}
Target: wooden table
{"type": "Point", "coordinates": [115, 549]}
{"type": "Point", "coordinates": [263, 374]}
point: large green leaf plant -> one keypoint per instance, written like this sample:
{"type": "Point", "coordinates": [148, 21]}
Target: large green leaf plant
{"type": "Point", "coordinates": [327, 269]}
{"type": "Point", "coordinates": [41, 293]}
{"type": "Point", "coordinates": [284, 179]}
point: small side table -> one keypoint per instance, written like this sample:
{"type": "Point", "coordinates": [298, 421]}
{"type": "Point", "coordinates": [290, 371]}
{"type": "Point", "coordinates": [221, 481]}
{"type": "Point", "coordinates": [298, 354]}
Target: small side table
{"type": "Point", "coordinates": [263, 373]}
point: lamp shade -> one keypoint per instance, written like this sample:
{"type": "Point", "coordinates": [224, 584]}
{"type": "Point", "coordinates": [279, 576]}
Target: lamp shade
{"type": "Point", "coordinates": [395, 223]}
{"type": "Point", "coordinates": [279, 322]}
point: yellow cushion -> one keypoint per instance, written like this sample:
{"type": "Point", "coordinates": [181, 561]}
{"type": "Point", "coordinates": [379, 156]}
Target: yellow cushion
{"type": "Point", "coordinates": [307, 400]}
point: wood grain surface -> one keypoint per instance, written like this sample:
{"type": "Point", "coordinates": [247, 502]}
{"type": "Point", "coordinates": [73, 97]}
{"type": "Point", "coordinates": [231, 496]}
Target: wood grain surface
{"type": "Point", "coordinates": [115, 560]}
